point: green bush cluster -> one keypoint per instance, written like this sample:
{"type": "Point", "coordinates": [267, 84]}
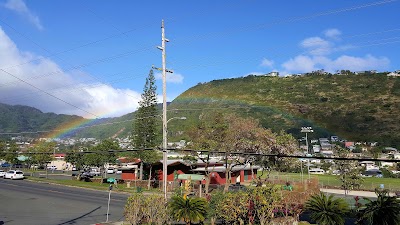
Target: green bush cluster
{"type": "Point", "coordinates": [258, 205]}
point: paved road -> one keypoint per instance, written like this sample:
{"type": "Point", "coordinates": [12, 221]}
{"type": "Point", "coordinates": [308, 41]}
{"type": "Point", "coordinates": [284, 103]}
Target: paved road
{"type": "Point", "coordinates": [26, 202]}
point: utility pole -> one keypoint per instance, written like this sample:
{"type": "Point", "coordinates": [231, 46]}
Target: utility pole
{"type": "Point", "coordinates": [164, 116]}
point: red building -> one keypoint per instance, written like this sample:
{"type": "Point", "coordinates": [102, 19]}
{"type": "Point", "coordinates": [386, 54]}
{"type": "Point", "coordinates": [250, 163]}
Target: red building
{"type": "Point", "coordinates": [242, 173]}
{"type": "Point", "coordinates": [174, 167]}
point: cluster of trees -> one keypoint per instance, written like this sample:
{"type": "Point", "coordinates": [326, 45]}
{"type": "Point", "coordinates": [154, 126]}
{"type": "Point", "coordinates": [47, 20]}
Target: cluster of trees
{"type": "Point", "coordinates": [260, 205]}
{"type": "Point", "coordinates": [232, 134]}
{"type": "Point", "coordinates": [40, 153]}
{"type": "Point", "coordinates": [95, 156]}
{"type": "Point", "coordinates": [333, 211]}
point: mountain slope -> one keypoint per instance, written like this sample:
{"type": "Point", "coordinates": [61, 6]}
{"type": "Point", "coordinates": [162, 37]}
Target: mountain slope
{"type": "Point", "coordinates": [29, 120]}
{"type": "Point", "coordinates": [355, 107]}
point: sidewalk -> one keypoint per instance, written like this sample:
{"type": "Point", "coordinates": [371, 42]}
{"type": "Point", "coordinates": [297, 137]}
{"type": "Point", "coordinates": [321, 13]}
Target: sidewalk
{"type": "Point", "coordinates": [368, 194]}
{"type": "Point", "coordinates": [110, 223]}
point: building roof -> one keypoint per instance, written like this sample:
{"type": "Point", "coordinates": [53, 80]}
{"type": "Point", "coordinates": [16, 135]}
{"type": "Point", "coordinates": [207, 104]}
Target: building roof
{"type": "Point", "coordinates": [128, 160]}
{"type": "Point", "coordinates": [219, 169]}
{"type": "Point", "coordinates": [172, 162]}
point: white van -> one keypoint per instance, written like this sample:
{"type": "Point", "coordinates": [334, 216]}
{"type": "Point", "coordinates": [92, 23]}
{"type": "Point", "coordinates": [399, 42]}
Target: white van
{"type": "Point", "coordinates": [316, 171]}
{"type": "Point", "coordinates": [110, 170]}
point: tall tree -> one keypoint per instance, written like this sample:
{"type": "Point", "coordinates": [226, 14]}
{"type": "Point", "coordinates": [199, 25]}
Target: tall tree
{"type": "Point", "coordinates": [145, 133]}
{"type": "Point", "coordinates": [9, 153]}
{"type": "Point", "coordinates": [350, 174]}
{"type": "Point", "coordinates": [76, 159]}
{"type": "Point", "coordinates": [208, 134]}
{"type": "Point", "coordinates": [43, 153]}
{"type": "Point", "coordinates": [233, 134]}
{"type": "Point", "coordinates": [101, 156]}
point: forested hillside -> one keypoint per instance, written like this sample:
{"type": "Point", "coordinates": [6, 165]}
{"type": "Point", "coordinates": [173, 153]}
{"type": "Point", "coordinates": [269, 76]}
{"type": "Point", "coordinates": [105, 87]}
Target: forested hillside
{"type": "Point", "coordinates": [355, 107]}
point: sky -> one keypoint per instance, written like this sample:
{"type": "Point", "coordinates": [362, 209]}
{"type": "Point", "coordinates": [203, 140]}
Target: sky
{"type": "Point", "coordinates": [91, 58]}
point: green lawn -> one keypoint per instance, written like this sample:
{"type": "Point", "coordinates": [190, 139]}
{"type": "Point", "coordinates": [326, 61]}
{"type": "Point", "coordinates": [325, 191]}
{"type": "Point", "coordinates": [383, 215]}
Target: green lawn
{"type": "Point", "coordinates": [370, 183]}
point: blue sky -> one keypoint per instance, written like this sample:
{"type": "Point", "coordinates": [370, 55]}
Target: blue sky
{"type": "Point", "coordinates": [91, 58]}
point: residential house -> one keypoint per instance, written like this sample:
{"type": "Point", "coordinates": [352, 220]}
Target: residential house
{"type": "Point", "coordinates": [394, 74]}
{"type": "Point", "coordinates": [59, 162]}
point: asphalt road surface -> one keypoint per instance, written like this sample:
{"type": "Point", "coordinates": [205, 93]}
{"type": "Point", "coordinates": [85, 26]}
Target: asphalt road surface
{"type": "Point", "coordinates": [26, 202]}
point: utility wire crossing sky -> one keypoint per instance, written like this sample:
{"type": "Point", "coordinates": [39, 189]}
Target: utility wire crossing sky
{"type": "Point", "coordinates": [91, 58]}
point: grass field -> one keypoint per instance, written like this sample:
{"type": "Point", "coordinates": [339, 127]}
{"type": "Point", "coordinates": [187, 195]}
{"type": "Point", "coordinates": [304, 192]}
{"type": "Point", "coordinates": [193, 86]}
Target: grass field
{"type": "Point", "coordinates": [370, 183]}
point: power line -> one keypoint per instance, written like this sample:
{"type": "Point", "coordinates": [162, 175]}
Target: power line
{"type": "Point", "coordinates": [228, 153]}
{"type": "Point", "coordinates": [373, 43]}
{"type": "Point", "coordinates": [78, 67]}
{"type": "Point", "coordinates": [190, 39]}
{"type": "Point", "coordinates": [70, 104]}
{"type": "Point", "coordinates": [46, 92]}
{"type": "Point", "coordinates": [323, 13]}
{"type": "Point", "coordinates": [80, 87]}
{"type": "Point", "coordinates": [286, 20]}
{"type": "Point", "coordinates": [79, 128]}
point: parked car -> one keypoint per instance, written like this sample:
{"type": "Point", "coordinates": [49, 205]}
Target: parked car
{"type": "Point", "coordinates": [119, 171]}
{"type": "Point", "coordinates": [372, 173]}
{"type": "Point", "coordinates": [2, 173]}
{"type": "Point", "coordinates": [14, 174]}
{"type": "Point", "coordinates": [95, 172]}
{"type": "Point", "coordinates": [110, 170]}
{"type": "Point", "coordinates": [52, 167]}
{"type": "Point", "coordinates": [18, 165]}
{"type": "Point", "coordinates": [4, 165]}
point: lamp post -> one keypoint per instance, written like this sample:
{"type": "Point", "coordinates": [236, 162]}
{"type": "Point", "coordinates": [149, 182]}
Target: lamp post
{"type": "Point", "coordinates": [307, 130]}
{"type": "Point", "coordinates": [165, 152]}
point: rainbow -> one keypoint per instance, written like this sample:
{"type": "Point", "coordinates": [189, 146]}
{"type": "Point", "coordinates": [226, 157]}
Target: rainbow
{"type": "Point", "coordinates": [68, 128]}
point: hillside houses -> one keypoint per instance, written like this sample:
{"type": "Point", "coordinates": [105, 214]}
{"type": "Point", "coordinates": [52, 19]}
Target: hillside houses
{"type": "Point", "coordinates": [394, 74]}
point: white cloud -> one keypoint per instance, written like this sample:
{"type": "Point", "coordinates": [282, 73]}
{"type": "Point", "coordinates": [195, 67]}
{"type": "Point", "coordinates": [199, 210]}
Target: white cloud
{"type": "Point", "coordinates": [317, 57]}
{"type": "Point", "coordinates": [171, 77]}
{"type": "Point", "coordinates": [305, 64]}
{"type": "Point", "coordinates": [88, 100]}
{"type": "Point", "coordinates": [352, 63]}
{"type": "Point", "coordinates": [300, 64]}
{"type": "Point", "coordinates": [332, 33]}
{"type": "Point", "coordinates": [317, 46]}
{"type": "Point", "coordinates": [267, 63]}
{"type": "Point", "coordinates": [20, 7]}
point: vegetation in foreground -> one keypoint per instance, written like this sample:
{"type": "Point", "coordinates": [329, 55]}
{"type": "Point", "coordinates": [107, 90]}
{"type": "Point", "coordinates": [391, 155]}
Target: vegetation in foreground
{"type": "Point", "coordinates": [269, 204]}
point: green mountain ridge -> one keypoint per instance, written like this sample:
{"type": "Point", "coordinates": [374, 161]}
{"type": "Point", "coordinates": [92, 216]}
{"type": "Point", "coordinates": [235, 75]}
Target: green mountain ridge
{"type": "Point", "coordinates": [19, 120]}
{"type": "Point", "coordinates": [354, 107]}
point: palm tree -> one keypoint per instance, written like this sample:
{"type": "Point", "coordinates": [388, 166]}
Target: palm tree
{"type": "Point", "coordinates": [385, 210]}
{"type": "Point", "coordinates": [326, 210]}
{"type": "Point", "coordinates": [188, 209]}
